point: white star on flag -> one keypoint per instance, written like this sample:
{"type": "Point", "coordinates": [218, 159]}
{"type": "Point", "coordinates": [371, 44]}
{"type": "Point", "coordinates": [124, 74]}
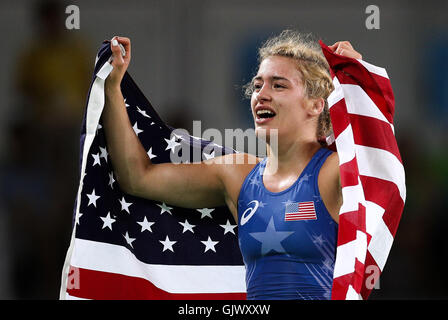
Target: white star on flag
{"type": "Point", "coordinates": [205, 212]}
{"type": "Point", "coordinates": [96, 158]}
{"type": "Point", "coordinates": [187, 226]}
{"type": "Point", "coordinates": [172, 144]}
{"type": "Point", "coordinates": [125, 103]}
{"type": "Point", "coordinates": [164, 208]}
{"type": "Point", "coordinates": [210, 244]}
{"type": "Point", "coordinates": [107, 221]}
{"type": "Point", "coordinates": [209, 156]}
{"type": "Point", "coordinates": [150, 154]}
{"type": "Point", "coordinates": [79, 215]}
{"type": "Point", "coordinates": [92, 198]}
{"type": "Point", "coordinates": [111, 180]}
{"type": "Point", "coordinates": [146, 225]}
{"type": "Point", "coordinates": [129, 240]}
{"type": "Point", "coordinates": [228, 227]}
{"type": "Point", "coordinates": [104, 153]}
{"type": "Point", "coordinates": [124, 205]}
{"type": "Point", "coordinates": [177, 136]}
{"type": "Point", "coordinates": [143, 112]}
{"type": "Point", "coordinates": [136, 129]}
{"type": "Point", "coordinates": [167, 244]}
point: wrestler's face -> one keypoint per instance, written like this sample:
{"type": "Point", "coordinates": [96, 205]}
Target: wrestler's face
{"type": "Point", "coordinates": [278, 100]}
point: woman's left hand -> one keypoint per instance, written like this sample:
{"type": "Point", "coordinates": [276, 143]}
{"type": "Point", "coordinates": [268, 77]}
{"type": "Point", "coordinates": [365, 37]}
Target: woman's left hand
{"type": "Point", "coordinates": [345, 49]}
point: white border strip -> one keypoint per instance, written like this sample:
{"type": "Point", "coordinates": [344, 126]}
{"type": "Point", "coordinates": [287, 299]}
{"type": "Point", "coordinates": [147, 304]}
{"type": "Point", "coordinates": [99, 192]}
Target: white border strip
{"type": "Point", "coordinates": [95, 107]}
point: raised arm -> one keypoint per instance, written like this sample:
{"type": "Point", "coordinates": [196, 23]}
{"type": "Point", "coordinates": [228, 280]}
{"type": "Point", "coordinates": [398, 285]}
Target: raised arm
{"type": "Point", "coordinates": [134, 171]}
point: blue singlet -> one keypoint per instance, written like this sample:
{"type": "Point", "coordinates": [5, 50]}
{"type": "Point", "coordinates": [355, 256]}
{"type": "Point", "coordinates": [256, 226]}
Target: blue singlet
{"type": "Point", "coordinates": [287, 239]}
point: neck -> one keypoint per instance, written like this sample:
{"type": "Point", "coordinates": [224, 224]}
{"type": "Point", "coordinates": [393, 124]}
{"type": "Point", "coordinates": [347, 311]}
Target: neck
{"type": "Point", "coordinates": [286, 156]}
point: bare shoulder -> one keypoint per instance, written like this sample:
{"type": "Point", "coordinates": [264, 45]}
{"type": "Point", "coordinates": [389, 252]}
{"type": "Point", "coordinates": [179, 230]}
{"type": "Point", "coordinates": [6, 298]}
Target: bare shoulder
{"type": "Point", "coordinates": [331, 165]}
{"type": "Point", "coordinates": [237, 158]}
{"type": "Point", "coordinates": [233, 170]}
{"type": "Point", "coordinates": [234, 167]}
{"type": "Point", "coordinates": [330, 185]}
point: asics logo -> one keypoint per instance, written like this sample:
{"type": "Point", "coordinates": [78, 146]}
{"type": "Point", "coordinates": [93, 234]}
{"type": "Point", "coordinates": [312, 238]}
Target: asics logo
{"type": "Point", "coordinates": [249, 212]}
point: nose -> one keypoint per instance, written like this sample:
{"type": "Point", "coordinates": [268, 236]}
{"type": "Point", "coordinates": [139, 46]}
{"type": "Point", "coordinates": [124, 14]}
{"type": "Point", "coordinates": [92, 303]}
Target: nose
{"type": "Point", "coordinates": [264, 93]}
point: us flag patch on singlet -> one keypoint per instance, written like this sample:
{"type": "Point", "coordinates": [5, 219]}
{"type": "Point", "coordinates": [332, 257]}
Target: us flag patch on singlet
{"type": "Point", "coordinates": [300, 211]}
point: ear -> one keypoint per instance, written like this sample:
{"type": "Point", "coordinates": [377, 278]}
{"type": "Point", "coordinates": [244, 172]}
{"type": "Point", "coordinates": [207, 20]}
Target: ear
{"type": "Point", "coordinates": [316, 106]}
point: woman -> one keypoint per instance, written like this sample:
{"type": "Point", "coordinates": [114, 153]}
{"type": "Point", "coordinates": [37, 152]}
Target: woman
{"type": "Point", "coordinates": [286, 204]}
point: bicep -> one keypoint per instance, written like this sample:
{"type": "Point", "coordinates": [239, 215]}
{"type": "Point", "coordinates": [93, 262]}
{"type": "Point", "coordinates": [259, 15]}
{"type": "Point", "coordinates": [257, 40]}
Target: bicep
{"type": "Point", "coordinates": [194, 185]}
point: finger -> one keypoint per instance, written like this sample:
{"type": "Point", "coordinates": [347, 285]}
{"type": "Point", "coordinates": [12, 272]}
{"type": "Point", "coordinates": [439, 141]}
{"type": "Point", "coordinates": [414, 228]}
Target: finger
{"type": "Point", "coordinates": [117, 58]}
{"type": "Point", "coordinates": [350, 54]}
{"type": "Point", "coordinates": [126, 42]}
{"type": "Point", "coordinates": [339, 49]}
{"type": "Point", "coordinates": [346, 44]}
{"type": "Point", "coordinates": [334, 46]}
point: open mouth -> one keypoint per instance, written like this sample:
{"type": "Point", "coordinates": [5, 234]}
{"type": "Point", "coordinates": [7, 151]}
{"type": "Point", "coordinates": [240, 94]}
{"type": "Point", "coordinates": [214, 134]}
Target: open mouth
{"type": "Point", "coordinates": [264, 115]}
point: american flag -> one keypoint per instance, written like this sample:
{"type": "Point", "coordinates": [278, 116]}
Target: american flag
{"type": "Point", "coordinates": [124, 247]}
{"type": "Point", "coordinates": [371, 169]}
{"type": "Point", "coordinates": [300, 211]}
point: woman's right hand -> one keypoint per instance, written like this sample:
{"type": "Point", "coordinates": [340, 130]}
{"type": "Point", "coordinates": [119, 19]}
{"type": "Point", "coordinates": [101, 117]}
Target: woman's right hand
{"type": "Point", "coordinates": [119, 62]}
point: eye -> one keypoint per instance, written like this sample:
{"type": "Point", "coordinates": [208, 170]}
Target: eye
{"type": "Point", "coordinates": [279, 86]}
{"type": "Point", "coordinates": [257, 86]}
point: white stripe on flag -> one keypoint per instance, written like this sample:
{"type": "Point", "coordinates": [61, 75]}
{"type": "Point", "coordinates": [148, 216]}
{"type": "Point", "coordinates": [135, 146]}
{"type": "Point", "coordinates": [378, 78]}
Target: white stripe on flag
{"type": "Point", "coordinates": [345, 262]}
{"type": "Point", "coordinates": [382, 164]}
{"type": "Point", "coordinates": [336, 95]}
{"type": "Point", "coordinates": [380, 244]}
{"type": "Point", "coordinates": [105, 257]}
{"type": "Point", "coordinates": [345, 143]}
{"type": "Point", "coordinates": [348, 252]}
{"type": "Point", "coordinates": [374, 216]}
{"type": "Point", "coordinates": [69, 297]}
{"type": "Point", "coordinates": [351, 196]}
{"type": "Point", "coordinates": [374, 69]}
{"type": "Point", "coordinates": [352, 294]}
{"type": "Point", "coordinates": [358, 102]}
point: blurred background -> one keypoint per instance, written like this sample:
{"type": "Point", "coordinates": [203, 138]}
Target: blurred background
{"type": "Point", "coordinates": [191, 58]}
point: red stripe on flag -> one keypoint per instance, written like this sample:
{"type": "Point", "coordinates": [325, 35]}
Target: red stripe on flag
{"type": "Point", "coordinates": [307, 203]}
{"type": "Point", "coordinates": [385, 194]}
{"type": "Point", "coordinates": [339, 111]}
{"type": "Point", "coordinates": [383, 138]}
{"type": "Point", "coordinates": [99, 285]}
{"type": "Point", "coordinates": [340, 286]}
{"type": "Point", "coordinates": [349, 173]}
{"type": "Point", "coordinates": [300, 218]}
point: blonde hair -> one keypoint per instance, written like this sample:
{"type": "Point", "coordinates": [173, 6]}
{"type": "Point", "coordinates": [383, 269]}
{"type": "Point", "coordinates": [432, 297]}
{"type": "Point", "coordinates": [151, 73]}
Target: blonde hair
{"type": "Point", "coordinates": [312, 65]}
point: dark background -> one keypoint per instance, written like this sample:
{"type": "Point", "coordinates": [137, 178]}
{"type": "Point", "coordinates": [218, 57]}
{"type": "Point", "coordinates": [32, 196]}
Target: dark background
{"type": "Point", "coordinates": [191, 58]}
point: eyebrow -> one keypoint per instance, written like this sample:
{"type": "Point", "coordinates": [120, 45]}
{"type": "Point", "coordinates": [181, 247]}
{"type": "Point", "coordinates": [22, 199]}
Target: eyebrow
{"type": "Point", "coordinates": [272, 78]}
